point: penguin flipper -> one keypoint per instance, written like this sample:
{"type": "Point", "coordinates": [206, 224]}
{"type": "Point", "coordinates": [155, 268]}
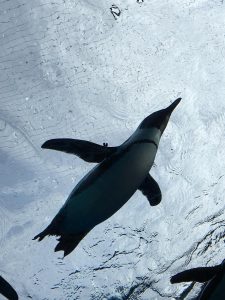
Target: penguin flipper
{"type": "Point", "coordinates": [7, 290]}
{"type": "Point", "coordinates": [151, 190]}
{"type": "Point", "coordinates": [69, 243]}
{"type": "Point", "coordinates": [201, 274]}
{"type": "Point", "coordinates": [86, 150]}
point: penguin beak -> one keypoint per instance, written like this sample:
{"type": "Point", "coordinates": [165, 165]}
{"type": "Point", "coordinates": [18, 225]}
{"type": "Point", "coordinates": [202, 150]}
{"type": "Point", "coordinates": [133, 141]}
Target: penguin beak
{"type": "Point", "coordinates": [168, 111]}
{"type": "Point", "coordinates": [172, 106]}
{"type": "Point", "coordinates": [159, 119]}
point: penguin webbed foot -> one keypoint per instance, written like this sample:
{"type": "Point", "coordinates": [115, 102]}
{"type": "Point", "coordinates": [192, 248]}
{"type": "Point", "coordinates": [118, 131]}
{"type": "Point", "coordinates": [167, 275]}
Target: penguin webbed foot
{"type": "Point", "coordinates": [39, 237]}
{"type": "Point", "coordinates": [50, 230]}
{"type": "Point", "coordinates": [69, 243]}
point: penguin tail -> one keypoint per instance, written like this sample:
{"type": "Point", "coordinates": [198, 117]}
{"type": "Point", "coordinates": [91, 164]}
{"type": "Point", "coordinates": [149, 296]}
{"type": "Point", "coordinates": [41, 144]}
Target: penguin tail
{"type": "Point", "coordinates": [69, 243]}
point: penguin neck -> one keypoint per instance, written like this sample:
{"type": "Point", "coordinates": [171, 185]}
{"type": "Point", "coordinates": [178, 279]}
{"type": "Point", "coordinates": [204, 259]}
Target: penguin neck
{"type": "Point", "coordinates": [144, 134]}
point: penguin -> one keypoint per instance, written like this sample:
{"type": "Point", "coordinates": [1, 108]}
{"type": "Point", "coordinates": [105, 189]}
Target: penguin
{"type": "Point", "coordinates": [7, 290]}
{"type": "Point", "coordinates": [214, 277]}
{"type": "Point", "coordinates": [110, 184]}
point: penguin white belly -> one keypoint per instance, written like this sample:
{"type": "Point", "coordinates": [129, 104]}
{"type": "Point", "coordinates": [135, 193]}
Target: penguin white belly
{"type": "Point", "coordinates": [109, 191]}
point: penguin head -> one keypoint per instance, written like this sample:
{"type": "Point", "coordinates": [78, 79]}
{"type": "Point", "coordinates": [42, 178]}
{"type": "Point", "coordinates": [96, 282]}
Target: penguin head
{"type": "Point", "coordinates": [160, 118]}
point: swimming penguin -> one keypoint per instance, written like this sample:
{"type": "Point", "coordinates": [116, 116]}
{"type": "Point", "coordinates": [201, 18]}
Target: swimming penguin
{"type": "Point", "coordinates": [213, 276]}
{"type": "Point", "coordinates": [108, 186]}
{"type": "Point", "coordinates": [7, 290]}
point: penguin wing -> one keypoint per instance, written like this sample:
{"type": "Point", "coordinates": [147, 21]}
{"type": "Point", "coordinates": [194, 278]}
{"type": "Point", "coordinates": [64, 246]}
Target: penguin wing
{"type": "Point", "coordinates": [197, 274]}
{"type": "Point", "coordinates": [86, 150]}
{"type": "Point", "coordinates": [7, 290]}
{"type": "Point", "coordinates": [151, 190]}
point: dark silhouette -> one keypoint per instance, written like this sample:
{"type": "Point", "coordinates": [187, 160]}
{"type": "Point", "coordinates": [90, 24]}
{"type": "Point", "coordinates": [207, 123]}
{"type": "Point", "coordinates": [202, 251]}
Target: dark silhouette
{"type": "Point", "coordinates": [87, 151]}
{"type": "Point", "coordinates": [213, 276]}
{"type": "Point", "coordinates": [7, 290]}
{"type": "Point", "coordinates": [108, 186]}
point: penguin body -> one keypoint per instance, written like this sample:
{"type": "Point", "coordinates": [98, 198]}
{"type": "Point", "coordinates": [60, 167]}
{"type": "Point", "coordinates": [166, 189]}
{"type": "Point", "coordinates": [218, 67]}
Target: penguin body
{"type": "Point", "coordinates": [114, 178]}
{"type": "Point", "coordinates": [110, 184]}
